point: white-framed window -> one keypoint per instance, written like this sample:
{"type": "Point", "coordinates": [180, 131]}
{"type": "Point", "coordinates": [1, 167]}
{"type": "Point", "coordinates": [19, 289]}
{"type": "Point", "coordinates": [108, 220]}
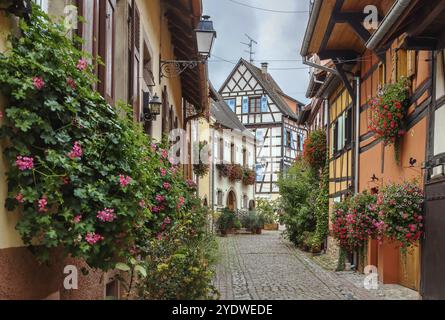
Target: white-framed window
{"type": "Point", "coordinates": [43, 4]}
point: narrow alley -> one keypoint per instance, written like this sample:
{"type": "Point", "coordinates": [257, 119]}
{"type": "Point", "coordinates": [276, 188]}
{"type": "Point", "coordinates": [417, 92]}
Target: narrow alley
{"type": "Point", "coordinates": [267, 267]}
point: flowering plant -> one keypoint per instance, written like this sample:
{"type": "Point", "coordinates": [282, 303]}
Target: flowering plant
{"type": "Point", "coordinates": [201, 169]}
{"type": "Point", "coordinates": [236, 172]}
{"type": "Point", "coordinates": [388, 113]}
{"type": "Point", "coordinates": [400, 208]}
{"type": "Point", "coordinates": [83, 177]}
{"type": "Point", "coordinates": [355, 221]}
{"type": "Point", "coordinates": [315, 150]}
{"type": "Point", "coordinates": [249, 177]}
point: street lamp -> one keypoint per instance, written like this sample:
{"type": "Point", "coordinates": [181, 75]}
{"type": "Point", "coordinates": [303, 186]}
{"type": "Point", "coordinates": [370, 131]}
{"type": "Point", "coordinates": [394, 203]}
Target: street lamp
{"type": "Point", "coordinates": [205, 37]}
{"type": "Point", "coordinates": [151, 107]}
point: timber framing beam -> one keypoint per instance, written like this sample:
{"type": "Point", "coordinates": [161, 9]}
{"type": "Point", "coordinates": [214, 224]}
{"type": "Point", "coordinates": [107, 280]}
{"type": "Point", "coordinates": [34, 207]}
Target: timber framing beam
{"type": "Point", "coordinates": [355, 20]}
{"type": "Point", "coordinates": [343, 76]}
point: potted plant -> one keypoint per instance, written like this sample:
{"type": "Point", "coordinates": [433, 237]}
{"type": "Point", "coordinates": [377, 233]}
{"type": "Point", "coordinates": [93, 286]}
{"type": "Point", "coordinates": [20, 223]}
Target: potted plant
{"type": "Point", "coordinates": [227, 221]}
{"type": "Point", "coordinates": [266, 210]}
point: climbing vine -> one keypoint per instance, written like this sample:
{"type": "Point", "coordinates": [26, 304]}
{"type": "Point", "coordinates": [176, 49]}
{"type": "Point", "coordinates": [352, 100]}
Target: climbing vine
{"type": "Point", "coordinates": [84, 176]}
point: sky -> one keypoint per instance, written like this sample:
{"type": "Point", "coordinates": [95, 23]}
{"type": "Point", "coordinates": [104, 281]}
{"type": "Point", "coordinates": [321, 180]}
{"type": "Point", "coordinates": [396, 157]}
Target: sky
{"type": "Point", "coordinates": [279, 37]}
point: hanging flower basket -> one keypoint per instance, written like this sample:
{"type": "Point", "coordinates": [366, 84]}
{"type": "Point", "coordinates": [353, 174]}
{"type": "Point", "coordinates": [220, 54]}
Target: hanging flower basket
{"type": "Point", "coordinates": [400, 208]}
{"type": "Point", "coordinates": [201, 169]}
{"type": "Point", "coordinates": [388, 114]}
{"type": "Point", "coordinates": [314, 150]}
{"type": "Point", "coordinates": [249, 177]}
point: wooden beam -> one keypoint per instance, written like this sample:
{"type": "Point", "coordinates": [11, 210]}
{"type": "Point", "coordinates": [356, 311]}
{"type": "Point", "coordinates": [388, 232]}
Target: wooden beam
{"type": "Point", "coordinates": [420, 43]}
{"type": "Point", "coordinates": [341, 54]}
{"type": "Point", "coordinates": [344, 77]}
{"type": "Point", "coordinates": [432, 12]}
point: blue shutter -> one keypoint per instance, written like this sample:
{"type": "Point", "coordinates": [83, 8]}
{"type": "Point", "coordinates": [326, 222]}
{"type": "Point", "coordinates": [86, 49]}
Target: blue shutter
{"type": "Point", "coordinates": [285, 137]}
{"type": "Point", "coordinates": [245, 104]}
{"type": "Point", "coordinates": [264, 104]}
{"type": "Point", "coordinates": [259, 172]}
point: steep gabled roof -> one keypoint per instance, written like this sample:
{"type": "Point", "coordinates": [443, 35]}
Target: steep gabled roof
{"type": "Point", "coordinates": [269, 85]}
{"type": "Point", "coordinates": [224, 115]}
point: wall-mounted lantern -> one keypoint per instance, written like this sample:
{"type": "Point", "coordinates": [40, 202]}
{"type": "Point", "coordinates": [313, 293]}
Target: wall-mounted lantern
{"type": "Point", "coordinates": [151, 106]}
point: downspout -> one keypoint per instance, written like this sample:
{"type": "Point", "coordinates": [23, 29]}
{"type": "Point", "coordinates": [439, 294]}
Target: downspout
{"type": "Point", "coordinates": [213, 170]}
{"type": "Point", "coordinates": [391, 18]}
{"type": "Point", "coordinates": [357, 135]}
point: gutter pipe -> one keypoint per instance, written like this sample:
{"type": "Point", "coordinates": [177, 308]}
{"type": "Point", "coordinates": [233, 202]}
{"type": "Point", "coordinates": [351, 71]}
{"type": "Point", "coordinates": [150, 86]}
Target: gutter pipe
{"type": "Point", "coordinates": [388, 22]}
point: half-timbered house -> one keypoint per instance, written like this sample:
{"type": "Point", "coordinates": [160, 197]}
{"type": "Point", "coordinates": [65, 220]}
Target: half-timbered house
{"type": "Point", "coordinates": [264, 108]}
{"type": "Point", "coordinates": [366, 60]}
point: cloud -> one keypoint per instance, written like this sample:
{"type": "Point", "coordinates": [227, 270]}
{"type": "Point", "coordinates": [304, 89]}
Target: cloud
{"type": "Point", "coordinates": [279, 37]}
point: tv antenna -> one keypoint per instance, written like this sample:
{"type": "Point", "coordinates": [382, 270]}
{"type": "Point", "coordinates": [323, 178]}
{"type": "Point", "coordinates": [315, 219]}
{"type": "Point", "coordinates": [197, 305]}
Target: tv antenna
{"type": "Point", "coordinates": [250, 46]}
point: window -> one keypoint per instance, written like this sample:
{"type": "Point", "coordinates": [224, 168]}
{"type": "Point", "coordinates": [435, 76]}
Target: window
{"type": "Point", "coordinates": [339, 134]}
{"type": "Point", "coordinates": [43, 4]}
{"type": "Point", "coordinates": [255, 105]}
{"type": "Point", "coordinates": [219, 198]}
{"type": "Point", "coordinates": [245, 202]}
{"type": "Point", "coordinates": [288, 138]}
{"type": "Point", "coordinates": [231, 103]}
{"type": "Point", "coordinates": [245, 157]}
{"type": "Point", "coordinates": [89, 30]}
{"type": "Point", "coordinates": [299, 142]}
{"type": "Point", "coordinates": [348, 128]}
{"type": "Point", "coordinates": [221, 149]}
{"type": "Point", "coordinates": [232, 153]}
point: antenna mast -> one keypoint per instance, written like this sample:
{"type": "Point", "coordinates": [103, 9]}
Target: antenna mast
{"type": "Point", "coordinates": [250, 46]}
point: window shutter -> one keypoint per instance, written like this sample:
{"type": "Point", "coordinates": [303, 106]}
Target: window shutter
{"type": "Point", "coordinates": [335, 137]}
{"type": "Point", "coordinates": [291, 139]}
{"type": "Point", "coordinates": [106, 49]}
{"type": "Point", "coordinates": [89, 29]}
{"type": "Point", "coordinates": [264, 104]}
{"type": "Point", "coordinates": [135, 58]}
{"type": "Point", "coordinates": [245, 104]}
{"type": "Point", "coordinates": [412, 63]}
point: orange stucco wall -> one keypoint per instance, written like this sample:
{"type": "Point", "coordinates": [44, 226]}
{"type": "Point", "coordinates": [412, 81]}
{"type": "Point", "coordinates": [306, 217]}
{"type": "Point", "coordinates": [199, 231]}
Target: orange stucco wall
{"type": "Point", "coordinates": [375, 159]}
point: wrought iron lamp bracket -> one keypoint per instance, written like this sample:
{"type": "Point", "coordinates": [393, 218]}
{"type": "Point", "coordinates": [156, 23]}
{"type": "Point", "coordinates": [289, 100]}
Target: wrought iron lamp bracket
{"type": "Point", "coordinates": [174, 68]}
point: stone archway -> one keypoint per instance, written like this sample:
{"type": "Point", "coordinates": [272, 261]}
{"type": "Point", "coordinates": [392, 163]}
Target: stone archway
{"type": "Point", "coordinates": [231, 201]}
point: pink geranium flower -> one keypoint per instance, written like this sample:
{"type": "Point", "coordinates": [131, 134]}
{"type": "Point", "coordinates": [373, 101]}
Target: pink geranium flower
{"type": "Point", "coordinates": [167, 220]}
{"type": "Point", "coordinates": [163, 172]}
{"type": "Point", "coordinates": [38, 83]}
{"type": "Point", "coordinates": [76, 152]}
{"type": "Point", "coordinates": [142, 203]}
{"type": "Point", "coordinates": [166, 185]}
{"type": "Point", "coordinates": [24, 163]}
{"type": "Point", "coordinates": [164, 154]}
{"type": "Point", "coordinates": [82, 64]}
{"type": "Point", "coordinates": [77, 218]}
{"type": "Point", "coordinates": [160, 198]}
{"type": "Point", "coordinates": [19, 198]}
{"type": "Point", "coordinates": [42, 205]}
{"type": "Point", "coordinates": [124, 180]}
{"type": "Point", "coordinates": [106, 215]}
{"type": "Point", "coordinates": [93, 238]}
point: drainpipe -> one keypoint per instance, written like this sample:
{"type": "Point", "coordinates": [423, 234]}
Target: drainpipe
{"type": "Point", "coordinates": [213, 170]}
{"type": "Point", "coordinates": [391, 18]}
{"type": "Point", "coordinates": [357, 134]}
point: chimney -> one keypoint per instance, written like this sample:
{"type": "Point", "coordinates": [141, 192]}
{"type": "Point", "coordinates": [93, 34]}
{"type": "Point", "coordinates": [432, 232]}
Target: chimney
{"type": "Point", "coordinates": [264, 66]}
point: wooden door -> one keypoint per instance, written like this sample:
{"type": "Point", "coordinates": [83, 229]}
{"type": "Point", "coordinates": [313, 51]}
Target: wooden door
{"type": "Point", "coordinates": [409, 270]}
{"type": "Point", "coordinates": [433, 248]}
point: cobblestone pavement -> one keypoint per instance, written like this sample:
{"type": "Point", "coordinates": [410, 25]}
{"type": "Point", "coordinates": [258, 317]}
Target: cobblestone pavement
{"type": "Point", "coordinates": [267, 267]}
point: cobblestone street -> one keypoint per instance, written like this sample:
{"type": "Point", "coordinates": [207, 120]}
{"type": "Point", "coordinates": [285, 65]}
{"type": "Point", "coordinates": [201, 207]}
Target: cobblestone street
{"type": "Point", "coordinates": [267, 267]}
